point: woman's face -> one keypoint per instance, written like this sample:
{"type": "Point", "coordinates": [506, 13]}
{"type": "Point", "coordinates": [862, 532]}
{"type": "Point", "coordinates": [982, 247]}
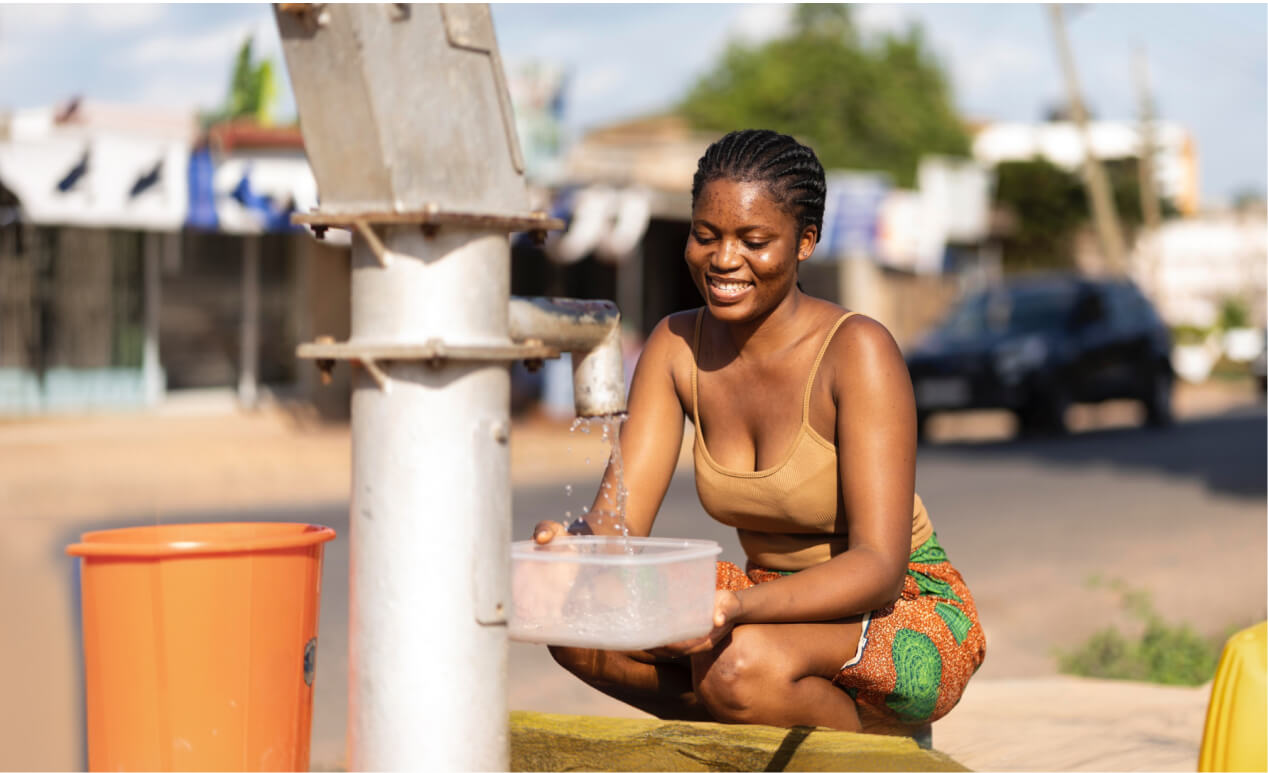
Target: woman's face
{"type": "Point", "coordinates": [743, 249]}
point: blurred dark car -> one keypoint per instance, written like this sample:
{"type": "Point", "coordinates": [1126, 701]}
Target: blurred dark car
{"type": "Point", "coordinates": [1038, 344]}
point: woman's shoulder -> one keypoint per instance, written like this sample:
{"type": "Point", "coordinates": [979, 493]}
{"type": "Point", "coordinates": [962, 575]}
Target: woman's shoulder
{"type": "Point", "coordinates": [675, 329]}
{"type": "Point", "coordinates": [860, 341]}
{"type": "Point", "coordinates": [671, 340]}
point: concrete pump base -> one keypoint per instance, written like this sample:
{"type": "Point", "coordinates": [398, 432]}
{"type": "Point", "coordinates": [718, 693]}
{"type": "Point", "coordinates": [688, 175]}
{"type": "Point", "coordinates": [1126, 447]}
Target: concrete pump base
{"type": "Point", "coordinates": [544, 742]}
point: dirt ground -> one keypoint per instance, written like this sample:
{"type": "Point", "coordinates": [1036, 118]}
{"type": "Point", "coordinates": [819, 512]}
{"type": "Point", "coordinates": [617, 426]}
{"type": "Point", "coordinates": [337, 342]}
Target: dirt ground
{"type": "Point", "coordinates": [199, 454]}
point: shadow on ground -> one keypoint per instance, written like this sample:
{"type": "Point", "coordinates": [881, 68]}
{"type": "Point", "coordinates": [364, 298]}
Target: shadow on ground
{"type": "Point", "coordinates": [1226, 452]}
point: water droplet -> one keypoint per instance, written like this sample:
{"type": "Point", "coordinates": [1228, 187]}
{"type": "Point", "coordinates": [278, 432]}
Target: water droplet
{"type": "Point", "coordinates": [568, 489]}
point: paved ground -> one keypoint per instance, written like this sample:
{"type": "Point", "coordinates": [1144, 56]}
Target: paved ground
{"type": "Point", "coordinates": [1180, 514]}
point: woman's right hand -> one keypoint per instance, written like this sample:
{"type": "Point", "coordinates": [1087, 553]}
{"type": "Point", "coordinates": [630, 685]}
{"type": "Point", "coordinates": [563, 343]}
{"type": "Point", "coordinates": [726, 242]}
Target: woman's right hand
{"type": "Point", "coordinates": [542, 589]}
{"type": "Point", "coordinates": [546, 531]}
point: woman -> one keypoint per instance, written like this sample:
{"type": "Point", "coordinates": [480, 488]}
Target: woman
{"type": "Point", "coordinates": [805, 441]}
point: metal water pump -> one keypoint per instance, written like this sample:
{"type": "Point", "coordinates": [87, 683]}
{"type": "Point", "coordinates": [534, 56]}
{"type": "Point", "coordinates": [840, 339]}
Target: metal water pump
{"type": "Point", "coordinates": [408, 127]}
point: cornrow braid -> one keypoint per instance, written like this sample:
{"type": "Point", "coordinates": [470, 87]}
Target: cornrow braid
{"type": "Point", "coordinates": [791, 171]}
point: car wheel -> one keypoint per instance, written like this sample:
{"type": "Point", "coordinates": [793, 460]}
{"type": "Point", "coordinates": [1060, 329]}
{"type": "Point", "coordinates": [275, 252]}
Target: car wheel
{"type": "Point", "coordinates": [922, 426]}
{"type": "Point", "coordinates": [1045, 414]}
{"type": "Point", "coordinates": [1158, 400]}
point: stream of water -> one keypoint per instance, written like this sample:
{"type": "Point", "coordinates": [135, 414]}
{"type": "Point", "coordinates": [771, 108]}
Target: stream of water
{"type": "Point", "coordinates": [612, 493]}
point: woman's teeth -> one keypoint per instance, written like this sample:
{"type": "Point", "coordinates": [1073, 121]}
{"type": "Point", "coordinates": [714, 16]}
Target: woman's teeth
{"type": "Point", "coordinates": [728, 286]}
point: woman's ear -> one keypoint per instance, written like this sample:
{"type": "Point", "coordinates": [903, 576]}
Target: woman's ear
{"type": "Point", "coordinates": [806, 244]}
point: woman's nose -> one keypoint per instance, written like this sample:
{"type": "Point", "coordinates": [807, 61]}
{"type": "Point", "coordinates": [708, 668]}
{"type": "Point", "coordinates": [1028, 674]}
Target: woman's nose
{"type": "Point", "coordinates": [726, 256]}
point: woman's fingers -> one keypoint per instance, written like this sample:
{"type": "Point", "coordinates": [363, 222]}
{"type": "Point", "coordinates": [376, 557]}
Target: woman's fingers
{"type": "Point", "coordinates": [547, 530]}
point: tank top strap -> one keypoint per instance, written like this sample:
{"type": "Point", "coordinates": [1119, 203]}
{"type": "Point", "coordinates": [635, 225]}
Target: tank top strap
{"type": "Point", "coordinates": [695, 366]}
{"type": "Point", "coordinates": [805, 402]}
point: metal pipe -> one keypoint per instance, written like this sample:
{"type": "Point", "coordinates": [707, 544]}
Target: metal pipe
{"type": "Point", "coordinates": [430, 512]}
{"type": "Point", "coordinates": [591, 332]}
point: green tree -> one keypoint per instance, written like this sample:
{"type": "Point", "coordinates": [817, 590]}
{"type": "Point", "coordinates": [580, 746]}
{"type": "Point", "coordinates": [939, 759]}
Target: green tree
{"type": "Point", "coordinates": [878, 105]}
{"type": "Point", "coordinates": [252, 89]}
{"type": "Point", "coordinates": [1045, 205]}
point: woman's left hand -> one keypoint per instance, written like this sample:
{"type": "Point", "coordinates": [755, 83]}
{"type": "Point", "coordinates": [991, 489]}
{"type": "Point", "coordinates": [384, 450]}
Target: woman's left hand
{"type": "Point", "coordinates": [727, 609]}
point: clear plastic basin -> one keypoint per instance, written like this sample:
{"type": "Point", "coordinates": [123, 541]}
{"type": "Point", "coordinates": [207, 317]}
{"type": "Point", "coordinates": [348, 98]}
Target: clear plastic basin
{"type": "Point", "coordinates": [614, 593]}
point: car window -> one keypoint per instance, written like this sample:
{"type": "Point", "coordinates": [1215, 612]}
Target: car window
{"type": "Point", "coordinates": [1128, 309]}
{"type": "Point", "coordinates": [1019, 309]}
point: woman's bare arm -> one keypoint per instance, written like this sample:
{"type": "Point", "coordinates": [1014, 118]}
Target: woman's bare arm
{"type": "Point", "coordinates": [876, 447]}
{"type": "Point", "coordinates": [651, 438]}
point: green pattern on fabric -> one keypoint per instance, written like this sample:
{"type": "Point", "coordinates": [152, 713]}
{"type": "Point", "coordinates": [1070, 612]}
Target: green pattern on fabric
{"type": "Point", "coordinates": [956, 620]}
{"type": "Point", "coordinates": [918, 671]}
{"type": "Point", "coordinates": [932, 586]}
{"type": "Point", "coordinates": [930, 552]}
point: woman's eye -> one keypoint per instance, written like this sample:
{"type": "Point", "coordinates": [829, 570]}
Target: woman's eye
{"type": "Point", "coordinates": [702, 238]}
{"type": "Point", "coordinates": [754, 245]}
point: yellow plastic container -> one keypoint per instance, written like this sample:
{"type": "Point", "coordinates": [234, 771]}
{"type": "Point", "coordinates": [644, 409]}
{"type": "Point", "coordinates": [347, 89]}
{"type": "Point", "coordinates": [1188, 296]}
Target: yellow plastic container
{"type": "Point", "coordinates": [1237, 717]}
{"type": "Point", "coordinates": [200, 645]}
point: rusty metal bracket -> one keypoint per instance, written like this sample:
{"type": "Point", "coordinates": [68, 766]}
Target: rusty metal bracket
{"type": "Point", "coordinates": [432, 350]}
{"type": "Point", "coordinates": [433, 216]}
{"type": "Point", "coordinates": [376, 244]}
{"type": "Point", "coordinates": [378, 374]}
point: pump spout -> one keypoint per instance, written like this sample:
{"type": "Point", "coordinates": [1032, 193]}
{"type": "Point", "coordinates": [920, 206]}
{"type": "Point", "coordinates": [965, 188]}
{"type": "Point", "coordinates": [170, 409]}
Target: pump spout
{"type": "Point", "coordinates": [591, 332]}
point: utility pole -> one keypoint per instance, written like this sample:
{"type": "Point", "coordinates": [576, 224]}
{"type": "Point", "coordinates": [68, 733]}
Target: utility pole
{"type": "Point", "coordinates": [1104, 215]}
{"type": "Point", "coordinates": [1151, 212]}
{"type": "Point", "coordinates": [1149, 208]}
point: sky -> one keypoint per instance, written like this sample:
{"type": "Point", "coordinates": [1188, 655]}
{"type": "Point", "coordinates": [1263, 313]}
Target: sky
{"type": "Point", "coordinates": [1207, 63]}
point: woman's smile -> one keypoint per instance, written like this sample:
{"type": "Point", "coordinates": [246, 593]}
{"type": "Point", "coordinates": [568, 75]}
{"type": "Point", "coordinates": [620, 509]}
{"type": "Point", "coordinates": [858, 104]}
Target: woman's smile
{"type": "Point", "coordinates": [727, 290]}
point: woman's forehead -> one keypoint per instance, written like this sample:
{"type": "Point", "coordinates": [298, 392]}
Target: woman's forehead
{"type": "Point", "coordinates": [733, 199]}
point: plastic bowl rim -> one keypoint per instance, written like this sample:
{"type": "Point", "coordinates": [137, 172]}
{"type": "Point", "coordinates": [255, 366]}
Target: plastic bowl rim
{"type": "Point", "coordinates": [689, 549]}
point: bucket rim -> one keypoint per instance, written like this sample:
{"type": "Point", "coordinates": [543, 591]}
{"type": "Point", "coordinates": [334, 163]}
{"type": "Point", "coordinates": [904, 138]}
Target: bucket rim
{"type": "Point", "coordinates": [95, 544]}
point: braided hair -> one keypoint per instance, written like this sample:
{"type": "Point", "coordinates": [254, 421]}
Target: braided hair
{"type": "Point", "coordinates": [789, 169]}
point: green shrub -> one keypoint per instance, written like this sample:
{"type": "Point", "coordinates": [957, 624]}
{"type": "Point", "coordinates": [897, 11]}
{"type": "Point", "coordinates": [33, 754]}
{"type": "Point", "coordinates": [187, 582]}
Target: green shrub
{"type": "Point", "coordinates": [1188, 334]}
{"type": "Point", "coordinates": [1233, 314]}
{"type": "Point", "coordinates": [1164, 653]}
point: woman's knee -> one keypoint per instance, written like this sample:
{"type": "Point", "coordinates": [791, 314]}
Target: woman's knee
{"type": "Point", "coordinates": [742, 679]}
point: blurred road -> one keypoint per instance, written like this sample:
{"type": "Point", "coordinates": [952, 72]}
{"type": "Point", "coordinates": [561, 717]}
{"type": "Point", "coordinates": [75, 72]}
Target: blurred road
{"type": "Point", "coordinates": [1179, 513]}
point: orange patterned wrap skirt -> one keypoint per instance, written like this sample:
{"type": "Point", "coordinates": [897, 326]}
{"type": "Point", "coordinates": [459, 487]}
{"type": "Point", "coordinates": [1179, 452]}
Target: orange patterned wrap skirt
{"type": "Point", "coordinates": [916, 655]}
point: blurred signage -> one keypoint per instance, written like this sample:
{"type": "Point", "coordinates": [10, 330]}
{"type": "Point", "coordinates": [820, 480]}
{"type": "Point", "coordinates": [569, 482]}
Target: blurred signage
{"type": "Point", "coordinates": [950, 205]}
{"type": "Point", "coordinates": [851, 214]}
{"type": "Point", "coordinates": [959, 191]}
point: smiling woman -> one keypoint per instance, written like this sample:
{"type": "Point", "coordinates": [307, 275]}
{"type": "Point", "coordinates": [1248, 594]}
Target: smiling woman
{"type": "Point", "coordinates": [848, 614]}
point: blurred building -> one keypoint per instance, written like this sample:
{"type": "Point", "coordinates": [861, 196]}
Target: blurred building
{"type": "Point", "coordinates": [139, 255]}
{"type": "Point", "coordinates": [1192, 267]}
{"type": "Point", "coordinates": [1061, 143]}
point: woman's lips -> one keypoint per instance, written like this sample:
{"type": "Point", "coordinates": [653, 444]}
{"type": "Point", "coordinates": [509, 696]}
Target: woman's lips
{"type": "Point", "coordinates": [727, 290]}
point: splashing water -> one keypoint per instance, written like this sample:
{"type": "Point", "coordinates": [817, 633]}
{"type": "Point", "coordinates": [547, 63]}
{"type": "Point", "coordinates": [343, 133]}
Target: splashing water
{"type": "Point", "coordinates": [613, 491]}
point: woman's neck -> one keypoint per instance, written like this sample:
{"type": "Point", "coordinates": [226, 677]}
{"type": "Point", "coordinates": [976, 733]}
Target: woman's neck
{"type": "Point", "coordinates": [769, 334]}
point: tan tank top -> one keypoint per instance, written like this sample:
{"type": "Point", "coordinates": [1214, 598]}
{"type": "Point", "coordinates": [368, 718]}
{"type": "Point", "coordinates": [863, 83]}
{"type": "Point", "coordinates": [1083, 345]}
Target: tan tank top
{"type": "Point", "coordinates": [789, 516]}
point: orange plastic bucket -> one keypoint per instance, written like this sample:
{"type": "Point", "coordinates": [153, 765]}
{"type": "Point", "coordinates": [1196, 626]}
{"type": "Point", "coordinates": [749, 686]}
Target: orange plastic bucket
{"type": "Point", "coordinates": [200, 645]}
